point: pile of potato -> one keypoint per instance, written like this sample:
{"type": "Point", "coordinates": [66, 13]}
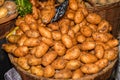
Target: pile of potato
{"type": "Point", "coordinates": [78, 44]}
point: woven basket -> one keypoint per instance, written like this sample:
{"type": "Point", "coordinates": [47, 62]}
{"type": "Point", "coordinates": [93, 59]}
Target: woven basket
{"type": "Point", "coordinates": [111, 13]}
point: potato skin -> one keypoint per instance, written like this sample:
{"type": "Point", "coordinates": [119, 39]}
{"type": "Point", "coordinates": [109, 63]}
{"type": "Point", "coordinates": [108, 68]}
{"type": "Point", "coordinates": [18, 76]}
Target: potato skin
{"type": "Point", "coordinates": [72, 53]}
{"type": "Point", "coordinates": [32, 33]}
{"type": "Point", "coordinates": [99, 51]}
{"type": "Point", "coordinates": [90, 68]}
{"type": "Point", "coordinates": [49, 71]}
{"type": "Point", "coordinates": [113, 43]}
{"type": "Point", "coordinates": [48, 41]}
{"type": "Point", "coordinates": [88, 58]}
{"type": "Point", "coordinates": [56, 35]}
{"type": "Point", "coordinates": [73, 4]}
{"type": "Point", "coordinates": [48, 58]}
{"type": "Point", "coordinates": [73, 64]}
{"type": "Point", "coordinates": [93, 18]}
{"type": "Point", "coordinates": [77, 74]}
{"type": "Point", "coordinates": [67, 41]}
{"type": "Point", "coordinates": [86, 31]}
{"type": "Point", "coordinates": [81, 38]}
{"type": "Point", "coordinates": [13, 38]}
{"type": "Point", "coordinates": [37, 70]}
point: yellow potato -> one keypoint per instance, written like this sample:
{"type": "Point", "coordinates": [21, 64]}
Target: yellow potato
{"type": "Point", "coordinates": [73, 4]}
{"type": "Point", "coordinates": [63, 74]}
{"type": "Point", "coordinates": [29, 19]}
{"type": "Point", "coordinates": [19, 20]}
{"type": "Point", "coordinates": [93, 18]}
{"type": "Point", "coordinates": [24, 26]}
{"type": "Point", "coordinates": [71, 33]}
{"type": "Point", "coordinates": [48, 41]}
{"type": "Point", "coordinates": [64, 28]}
{"type": "Point", "coordinates": [70, 14]}
{"type": "Point", "coordinates": [72, 53]}
{"type": "Point", "coordinates": [87, 45]}
{"type": "Point", "coordinates": [22, 39]}
{"type": "Point", "coordinates": [76, 28]}
{"type": "Point", "coordinates": [93, 27]}
{"type": "Point", "coordinates": [86, 31]}
{"type": "Point", "coordinates": [59, 63]}
{"type": "Point", "coordinates": [83, 23]}
{"type": "Point", "coordinates": [90, 68]}
{"type": "Point", "coordinates": [113, 43]}
{"type": "Point", "coordinates": [48, 58]}
{"type": "Point", "coordinates": [77, 74]}
{"type": "Point", "coordinates": [88, 58]}
{"type": "Point", "coordinates": [73, 64]}
{"type": "Point", "coordinates": [81, 38]}
{"type": "Point", "coordinates": [54, 26]}
{"type": "Point", "coordinates": [49, 71]}
{"type": "Point", "coordinates": [37, 70]}
{"type": "Point", "coordinates": [59, 48]}
{"type": "Point", "coordinates": [89, 39]}
{"type": "Point", "coordinates": [34, 26]}
{"type": "Point", "coordinates": [67, 41]}
{"type": "Point", "coordinates": [32, 33]}
{"type": "Point", "coordinates": [19, 32]}
{"type": "Point", "coordinates": [13, 38]}
{"type": "Point", "coordinates": [102, 63]}
{"type": "Point", "coordinates": [56, 35]}
{"type": "Point", "coordinates": [99, 51]}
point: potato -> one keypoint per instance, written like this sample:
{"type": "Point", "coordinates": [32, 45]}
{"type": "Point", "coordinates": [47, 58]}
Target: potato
{"type": "Point", "coordinates": [90, 68]}
{"type": "Point", "coordinates": [70, 14]}
{"type": "Point", "coordinates": [77, 74]}
{"type": "Point", "coordinates": [22, 62]}
{"type": "Point", "coordinates": [102, 63]}
{"type": "Point", "coordinates": [93, 18]}
{"type": "Point", "coordinates": [29, 19]}
{"type": "Point", "coordinates": [59, 48]}
{"type": "Point", "coordinates": [89, 39]}
{"type": "Point", "coordinates": [110, 54]}
{"type": "Point", "coordinates": [48, 41]}
{"type": "Point", "coordinates": [37, 70]}
{"type": "Point", "coordinates": [87, 45]}
{"type": "Point", "coordinates": [56, 35]}
{"type": "Point", "coordinates": [67, 41]}
{"type": "Point", "coordinates": [21, 51]}
{"type": "Point", "coordinates": [110, 36]}
{"type": "Point", "coordinates": [93, 27]}
{"type": "Point", "coordinates": [63, 74]}
{"type": "Point", "coordinates": [86, 31]}
{"type": "Point", "coordinates": [78, 16]}
{"type": "Point", "coordinates": [73, 64]}
{"type": "Point", "coordinates": [88, 58]}
{"type": "Point", "coordinates": [44, 32]}
{"type": "Point", "coordinates": [19, 20]}
{"type": "Point", "coordinates": [76, 28]}
{"type": "Point", "coordinates": [49, 71]}
{"type": "Point", "coordinates": [32, 33]}
{"type": "Point", "coordinates": [33, 26]}
{"type": "Point", "coordinates": [41, 49]}
{"type": "Point", "coordinates": [22, 39]}
{"type": "Point", "coordinates": [13, 38]}
{"type": "Point", "coordinates": [99, 51]}
{"type": "Point", "coordinates": [31, 42]}
{"type": "Point", "coordinates": [81, 38]}
{"type": "Point", "coordinates": [103, 26]}
{"type": "Point", "coordinates": [59, 63]}
{"type": "Point", "coordinates": [64, 27]}
{"type": "Point", "coordinates": [113, 43]}
{"type": "Point", "coordinates": [19, 32]}
{"type": "Point", "coordinates": [48, 58]}
{"type": "Point", "coordinates": [33, 61]}
{"type": "Point", "coordinates": [105, 46]}
{"type": "Point", "coordinates": [102, 37]}
{"type": "Point", "coordinates": [54, 26]}
{"type": "Point", "coordinates": [83, 23]}
{"type": "Point", "coordinates": [9, 48]}
{"type": "Point", "coordinates": [72, 53]}
{"type": "Point", "coordinates": [73, 4]}
{"type": "Point", "coordinates": [74, 41]}
{"type": "Point", "coordinates": [24, 26]}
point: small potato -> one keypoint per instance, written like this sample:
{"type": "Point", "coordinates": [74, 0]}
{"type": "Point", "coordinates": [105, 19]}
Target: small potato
{"type": "Point", "coordinates": [13, 38]}
{"type": "Point", "coordinates": [88, 58]}
{"type": "Point", "coordinates": [70, 14]}
{"type": "Point", "coordinates": [77, 74]}
{"type": "Point", "coordinates": [87, 45]}
{"type": "Point", "coordinates": [74, 41]}
{"type": "Point", "coordinates": [59, 63]}
{"type": "Point", "coordinates": [76, 28]}
{"type": "Point", "coordinates": [48, 41]}
{"type": "Point", "coordinates": [29, 19]}
{"type": "Point", "coordinates": [81, 38]}
{"type": "Point", "coordinates": [33, 61]}
{"type": "Point", "coordinates": [86, 31]}
{"type": "Point", "coordinates": [19, 32]}
{"type": "Point", "coordinates": [102, 63]}
{"type": "Point", "coordinates": [59, 48]}
{"type": "Point", "coordinates": [31, 42]}
{"type": "Point", "coordinates": [67, 41]}
{"type": "Point", "coordinates": [93, 18]}
{"type": "Point", "coordinates": [44, 32]}
{"type": "Point", "coordinates": [83, 23]}
{"type": "Point", "coordinates": [34, 26]}
{"type": "Point", "coordinates": [22, 39]}
{"type": "Point", "coordinates": [64, 27]}
{"type": "Point", "coordinates": [110, 36]}
{"type": "Point", "coordinates": [48, 58]}
{"type": "Point", "coordinates": [32, 33]}
{"type": "Point", "coordinates": [24, 26]}
{"type": "Point", "coordinates": [54, 26]}
{"type": "Point", "coordinates": [19, 20]}
{"type": "Point", "coordinates": [102, 37]}
{"type": "Point", "coordinates": [49, 71]}
{"type": "Point", "coordinates": [41, 49]}
{"type": "Point", "coordinates": [113, 43]}
{"type": "Point", "coordinates": [73, 4]}
{"type": "Point", "coordinates": [73, 64]}
{"type": "Point", "coordinates": [105, 46]}
{"type": "Point", "coordinates": [21, 51]}
{"type": "Point", "coordinates": [78, 16]}
{"type": "Point", "coordinates": [93, 27]}
{"type": "Point", "coordinates": [37, 70]}
{"type": "Point", "coordinates": [103, 26]}
{"type": "Point", "coordinates": [99, 51]}
{"type": "Point", "coordinates": [22, 62]}
{"type": "Point", "coordinates": [63, 74]}
{"type": "Point", "coordinates": [72, 53]}
{"type": "Point", "coordinates": [110, 54]}
{"type": "Point", "coordinates": [56, 35]}
{"type": "Point", "coordinates": [89, 39]}
{"type": "Point", "coordinates": [71, 33]}
{"type": "Point", "coordinates": [90, 68]}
